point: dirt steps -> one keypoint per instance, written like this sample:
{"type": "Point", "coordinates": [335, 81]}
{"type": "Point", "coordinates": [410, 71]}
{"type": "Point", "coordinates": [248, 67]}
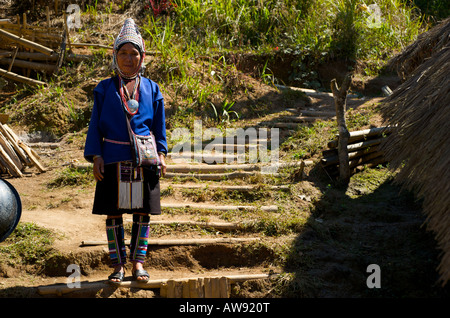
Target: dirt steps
{"type": "Point", "coordinates": [179, 252]}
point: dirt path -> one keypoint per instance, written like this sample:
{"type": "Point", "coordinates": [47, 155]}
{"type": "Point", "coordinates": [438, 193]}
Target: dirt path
{"type": "Point", "coordinates": [336, 239]}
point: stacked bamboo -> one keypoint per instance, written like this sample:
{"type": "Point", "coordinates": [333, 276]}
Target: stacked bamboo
{"type": "Point", "coordinates": [363, 149]}
{"type": "Point", "coordinates": [15, 155]}
{"type": "Point", "coordinates": [30, 48]}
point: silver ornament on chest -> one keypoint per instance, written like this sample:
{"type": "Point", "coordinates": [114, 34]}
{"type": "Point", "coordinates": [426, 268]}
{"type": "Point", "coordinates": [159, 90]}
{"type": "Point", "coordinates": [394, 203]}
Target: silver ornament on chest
{"type": "Point", "coordinates": [133, 105]}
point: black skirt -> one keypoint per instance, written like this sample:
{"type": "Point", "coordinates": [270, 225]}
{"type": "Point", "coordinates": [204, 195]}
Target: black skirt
{"type": "Point", "coordinates": [113, 193]}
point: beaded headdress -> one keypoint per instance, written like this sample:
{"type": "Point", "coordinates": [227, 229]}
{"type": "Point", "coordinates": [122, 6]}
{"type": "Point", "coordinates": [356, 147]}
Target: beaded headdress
{"type": "Point", "coordinates": [129, 34]}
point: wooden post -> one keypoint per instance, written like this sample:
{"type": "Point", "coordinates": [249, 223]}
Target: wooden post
{"type": "Point", "coordinates": [67, 31]}
{"type": "Point", "coordinates": [340, 96]}
{"type": "Point", "coordinates": [13, 59]}
{"type": "Point", "coordinates": [47, 12]}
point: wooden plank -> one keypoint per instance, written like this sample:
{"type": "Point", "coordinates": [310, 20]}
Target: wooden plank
{"type": "Point", "coordinates": [207, 287]}
{"type": "Point", "coordinates": [224, 287]}
{"type": "Point", "coordinates": [185, 291]}
{"type": "Point", "coordinates": [193, 288]}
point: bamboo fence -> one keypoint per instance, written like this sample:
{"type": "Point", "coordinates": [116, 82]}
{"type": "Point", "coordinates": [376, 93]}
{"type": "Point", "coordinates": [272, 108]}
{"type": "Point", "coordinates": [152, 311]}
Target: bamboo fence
{"type": "Point", "coordinates": [363, 149]}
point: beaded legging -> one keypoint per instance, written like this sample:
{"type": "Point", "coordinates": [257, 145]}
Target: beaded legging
{"type": "Point", "coordinates": [138, 243]}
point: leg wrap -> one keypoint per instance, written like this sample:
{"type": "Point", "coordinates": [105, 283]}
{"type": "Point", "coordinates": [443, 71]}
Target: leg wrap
{"type": "Point", "coordinates": [139, 237]}
{"type": "Point", "coordinates": [116, 242]}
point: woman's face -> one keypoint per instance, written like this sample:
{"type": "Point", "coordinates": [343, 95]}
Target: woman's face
{"type": "Point", "coordinates": [128, 58]}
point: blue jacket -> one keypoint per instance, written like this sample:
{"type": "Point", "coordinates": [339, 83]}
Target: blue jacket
{"type": "Point", "coordinates": [108, 121]}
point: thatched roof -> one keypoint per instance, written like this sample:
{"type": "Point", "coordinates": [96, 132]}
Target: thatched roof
{"type": "Point", "coordinates": [423, 48]}
{"type": "Point", "coordinates": [420, 147]}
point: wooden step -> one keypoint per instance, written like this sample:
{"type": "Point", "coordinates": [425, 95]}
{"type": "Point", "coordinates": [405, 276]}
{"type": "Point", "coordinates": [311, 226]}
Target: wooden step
{"type": "Point", "coordinates": [187, 287]}
{"type": "Point", "coordinates": [201, 206]}
{"type": "Point", "coordinates": [178, 242]}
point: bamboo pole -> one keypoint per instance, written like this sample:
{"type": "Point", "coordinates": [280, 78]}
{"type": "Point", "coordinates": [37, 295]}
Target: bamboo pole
{"type": "Point", "coordinates": [225, 187]}
{"type": "Point", "coordinates": [269, 208]}
{"type": "Point", "coordinates": [363, 134]}
{"type": "Point", "coordinates": [216, 225]}
{"type": "Point", "coordinates": [7, 147]}
{"type": "Point", "coordinates": [20, 78]}
{"type": "Point", "coordinates": [163, 242]}
{"type": "Point", "coordinates": [39, 33]}
{"type": "Point", "coordinates": [202, 157]}
{"type": "Point", "coordinates": [197, 284]}
{"type": "Point", "coordinates": [9, 164]}
{"type": "Point", "coordinates": [297, 119]}
{"type": "Point", "coordinates": [212, 176]}
{"type": "Point", "coordinates": [11, 61]}
{"type": "Point", "coordinates": [29, 65]}
{"type": "Point", "coordinates": [5, 54]}
{"type": "Point", "coordinates": [317, 113]}
{"type": "Point", "coordinates": [365, 159]}
{"type": "Point", "coordinates": [14, 143]}
{"type": "Point", "coordinates": [47, 13]}
{"type": "Point", "coordinates": [334, 159]}
{"type": "Point", "coordinates": [354, 147]}
{"type": "Point", "coordinates": [222, 168]}
{"type": "Point", "coordinates": [293, 125]}
{"type": "Point", "coordinates": [31, 155]}
{"type": "Point", "coordinates": [26, 43]}
{"type": "Point", "coordinates": [33, 56]}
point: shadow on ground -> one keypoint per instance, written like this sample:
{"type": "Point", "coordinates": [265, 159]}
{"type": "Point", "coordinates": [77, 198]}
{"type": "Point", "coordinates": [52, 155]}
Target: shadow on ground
{"type": "Point", "coordinates": [368, 222]}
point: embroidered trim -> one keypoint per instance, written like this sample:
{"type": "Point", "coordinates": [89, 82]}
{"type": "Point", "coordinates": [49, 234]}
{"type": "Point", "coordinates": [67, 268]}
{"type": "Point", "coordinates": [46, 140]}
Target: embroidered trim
{"type": "Point", "coordinates": [131, 186]}
{"type": "Point", "coordinates": [117, 142]}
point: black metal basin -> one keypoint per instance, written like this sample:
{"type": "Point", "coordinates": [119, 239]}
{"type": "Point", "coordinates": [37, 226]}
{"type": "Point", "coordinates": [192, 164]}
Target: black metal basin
{"type": "Point", "coordinates": [10, 209]}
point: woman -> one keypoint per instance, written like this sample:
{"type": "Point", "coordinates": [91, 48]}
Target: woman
{"type": "Point", "coordinates": [122, 188]}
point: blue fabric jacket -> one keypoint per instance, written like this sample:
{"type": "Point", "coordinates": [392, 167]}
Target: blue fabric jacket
{"type": "Point", "coordinates": [108, 121]}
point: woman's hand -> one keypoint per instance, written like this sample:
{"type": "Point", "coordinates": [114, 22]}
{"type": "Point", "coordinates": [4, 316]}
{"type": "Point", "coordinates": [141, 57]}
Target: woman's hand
{"type": "Point", "coordinates": [162, 158]}
{"type": "Point", "coordinates": [99, 168]}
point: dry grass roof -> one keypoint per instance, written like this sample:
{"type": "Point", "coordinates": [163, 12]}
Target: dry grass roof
{"type": "Point", "coordinates": [420, 147]}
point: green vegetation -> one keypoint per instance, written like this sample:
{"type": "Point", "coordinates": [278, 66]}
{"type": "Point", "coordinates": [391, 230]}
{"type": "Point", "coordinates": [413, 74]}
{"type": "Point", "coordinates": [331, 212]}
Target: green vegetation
{"type": "Point", "coordinates": [28, 244]}
{"type": "Point", "coordinates": [73, 177]}
{"type": "Point", "coordinates": [199, 43]}
{"type": "Point", "coordinates": [196, 47]}
{"type": "Point", "coordinates": [320, 30]}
